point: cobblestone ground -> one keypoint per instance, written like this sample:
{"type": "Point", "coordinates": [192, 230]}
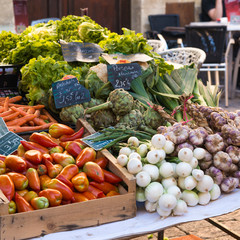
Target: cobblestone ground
{"type": "Point", "coordinates": [204, 229]}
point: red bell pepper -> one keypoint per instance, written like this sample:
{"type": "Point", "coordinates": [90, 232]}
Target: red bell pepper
{"type": "Point", "coordinates": [20, 181]}
{"type": "Point", "coordinates": [34, 146]}
{"type": "Point", "coordinates": [30, 195]}
{"type": "Point", "coordinates": [52, 170]}
{"type": "Point", "coordinates": [57, 149]}
{"type": "Point", "coordinates": [30, 165]}
{"type": "Point", "coordinates": [2, 167]}
{"type": "Point", "coordinates": [22, 192]}
{"type": "Point", "coordinates": [102, 162]}
{"type": "Point", "coordinates": [12, 207]}
{"type": "Point", "coordinates": [86, 155]}
{"type": "Point", "coordinates": [15, 163]}
{"type": "Point", "coordinates": [96, 192]}
{"type": "Point", "coordinates": [46, 156]}
{"type": "Point", "coordinates": [80, 182]}
{"type": "Point", "coordinates": [111, 177]}
{"type": "Point", "coordinates": [106, 187]}
{"type": "Point", "coordinates": [42, 169]}
{"type": "Point", "coordinates": [22, 204]}
{"type": "Point", "coordinates": [79, 197]}
{"type": "Point", "coordinates": [44, 179]}
{"type": "Point", "coordinates": [89, 195]}
{"type": "Point", "coordinates": [67, 193]}
{"type": "Point", "coordinates": [54, 196]}
{"type": "Point", "coordinates": [33, 156]}
{"type": "Point", "coordinates": [39, 203]}
{"type": "Point", "coordinates": [74, 148]}
{"type": "Point", "coordinates": [43, 140]}
{"type": "Point", "coordinates": [94, 171]}
{"type": "Point", "coordinates": [33, 179]}
{"type": "Point", "coordinates": [73, 136]}
{"type": "Point", "coordinates": [65, 181]}
{"type": "Point", "coordinates": [56, 130]}
{"type": "Point", "coordinates": [69, 171]}
{"type": "Point", "coordinates": [63, 159]}
{"type": "Point", "coordinates": [7, 186]}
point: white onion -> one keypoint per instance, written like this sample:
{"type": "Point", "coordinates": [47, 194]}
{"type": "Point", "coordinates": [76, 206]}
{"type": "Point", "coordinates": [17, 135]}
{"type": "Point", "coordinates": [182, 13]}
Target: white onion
{"type": "Point", "coordinates": [153, 191]}
{"type": "Point", "coordinates": [152, 170]}
{"type": "Point", "coordinates": [162, 213]}
{"type": "Point", "coordinates": [190, 197]}
{"type": "Point", "coordinates": [169, 147]}
{"type": "Point", "coordinates": [198, 174]}
{"type": "Point", "coordinates": [134, 155]}
{"type": "Point", "coordinates": [185, 154]}
{"type": "Point", "coordinates": [205, 185]}
{"type": "Point", "coordinates": [150, 206]}
{"type": "Point", "coordinates": [180, 208]}
{"type": "Point", "coordinates": [199, 153]}
{"type": "Point", "coordinates": [215, 192]}
{"type": "Point", "coordinates": [161, 154]}
{"type": "Point", "coordinates": [140, 194]}
{"type": "Point", "coordinates": [167, 201]}
{"type": "Point", "coordinates": [204, 198]}
{"type": "Point", "coordinates": [193, 163]}
{"type": "Point", "coordinates": [158, 141]}
{"type": "Point", "coordinates": [125, 150]}
{"type": "Point", "coordinates": [133, 141]}
{"type": "Point", "coordinates": [175, 190]}
{"type": "Point", "coordinates": [168, 182]}
{"type": "Point", "coordinates": [142, 150]}
{"type": "Point", "coordinates": [143, 179]}
{"type": "Point", "coordinates": [122, 160]}
{"type": "Point", "coordinates": [153, 157]}
{"type": "Point", "coordinates": [166, 170]}
{"type": "Point", "coordinates": [183, 169]}
{"type": "Point", "coordinates": [180, 182]}
{"type": "Point", "coordinates": [190, 183]}
{"type": "Point", "coordinates": [134, 166]}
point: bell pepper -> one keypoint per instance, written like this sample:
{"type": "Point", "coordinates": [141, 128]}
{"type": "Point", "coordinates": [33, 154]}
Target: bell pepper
{"type": "Point", "coordinates": [46, 156]}
{"type": "Point", "coordinates": [33, 179]}
{"type": "Point", "coordinates": [65, 202]}
{"type": "Point", "coordinates": [2, 167]}
{"type": "Point", "coordinates": [20, 150]}
{"type": "Point", "coordinates": [79, 197]}
{"type": "Point", "coordinates": [52, 169]}
{"type": "Point", "coordinates": [63, 159]}
{"type": "Point", "coordinates": [69, 171]}
{"type": "Point", "coordinates": [102, 162]}
{"type": "Point", "coordinates": [80, 182]}
{"type": "Point", "coordinates": [44, 179]}
{"type": "Point", "coordinates": [56, 130]}
{"type": "Point", "coordinates": [104, 186]}
{"type": "Point", "coordinates": [2, 157]}
{"type": "Point", "coordinates": [52, 138]}
{"type": "Point", "coordinates": [89, 195]}
{"type": "Point", "coordinates": [22, 204]}
{"type": "Point", "coordinates": [39, 203]}
{"type": "Point", "coordinates": [30, 195]}
{"type": "Point", "coordinates": [57, 149]}
{"type": "Point", "coordinates": [112, 193]}
{"type": "Point", "coordinates": [15, 163]}
{"type": "Point", "coordinates": [30, 165]}
{"type": "Point", "coordinates": [22, 192]}
{"type": "Point", "coordinates": [54, 196]}
{"type": "Point", "coordinates": [33, 146]}
{"type": "Point", "coordinates": [111, 177]}
{"type": "Point", "coordinates": [74, 148]}
{"type": "Point", "coordinates": [67, 193]}
{"type": "Point", "coordinates": [94, 171]}
{"type": "Point", "coordinates": [43, 140]}
{"type": "Point", "coordinates": [65, 181]}
{"type": "Point", "coordinates": [73, 136]}
{"type": "Point", "coordinates": [42, 169]}
{"type": "Point", "coordinates": [33, 156]}
{"type": "Point", "coordinates": [12, 207]}
{"type": "Point", "coordinates": [96, 192]}
{"type": "Point", "coordinates": [86, 155]}
{"type": "Point", "coordinates": [20, 181]}
{"type": "Point", "coordinates": [7, 186]}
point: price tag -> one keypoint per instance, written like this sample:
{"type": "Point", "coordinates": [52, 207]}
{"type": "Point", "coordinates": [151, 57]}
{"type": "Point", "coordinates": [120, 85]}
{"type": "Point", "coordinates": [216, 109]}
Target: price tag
{"type": "Point", "coordinates": [96, 145]}
{"type": "Point", "coordinates": [9, 141]}
{"type": "Point", "coordinates": [121, 75]}
{"type": "Point", "coordinates": [69, 92]}
{"type": "Point", "coordinates": [82, 52]}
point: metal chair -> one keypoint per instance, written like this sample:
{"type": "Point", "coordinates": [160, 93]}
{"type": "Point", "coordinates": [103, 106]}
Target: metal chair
{"type": "Point", "coordinates": [184, 56]}
{"type": "Point", "coordinates": [212, 40]}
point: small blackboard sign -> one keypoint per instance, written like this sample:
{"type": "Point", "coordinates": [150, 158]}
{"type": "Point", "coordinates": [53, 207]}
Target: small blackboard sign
{"type": "Point", "coordinates": [9, 141]}
{"type": "Point", "coordinates": [82, 52]}
{"type": "Point", "coordinates": [121, 75]}
{"type": "Point", "coordinates": [96, 145]}
{"type": "Point", "coordinates": [69, 92]}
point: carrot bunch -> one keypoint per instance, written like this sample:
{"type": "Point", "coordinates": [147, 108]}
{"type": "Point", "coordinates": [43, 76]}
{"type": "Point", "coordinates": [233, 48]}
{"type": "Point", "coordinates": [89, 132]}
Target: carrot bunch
{"type": "Point", "coordinates": [24, 118]}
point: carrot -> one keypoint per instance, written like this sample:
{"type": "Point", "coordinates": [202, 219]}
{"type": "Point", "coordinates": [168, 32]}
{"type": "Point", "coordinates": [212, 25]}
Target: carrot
{"type": "Point", "coordinates": [6, 104]}
{"type": "Point", "coordinates": [18, 129]}
{"type": "Point", "coordinates": [11, 116]}
{"type": "Point", "coordinates": [1, 109]}
{"type": "Point", "coordinates": [6, 113]}
{"type": "Point", "coordinates": [44, 117]}
{"type": "Point", "coordinates": [21, 121]}
{"type": "Point", "coordinates": [31, 111]}
{"type": "Point", "coordinates": [12, 100]}
{"type": "Point", "coordinates": [26, 106]}
{"type": "Point", "coordinates": [49, 115]}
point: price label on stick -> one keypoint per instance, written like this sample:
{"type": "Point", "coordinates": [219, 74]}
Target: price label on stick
{"type": "Point", "coordinates": [9, 141]}
{"type": "Point", "coordinates": [121, 75]}
{"type": "Point", "coordinates": [69, 92]}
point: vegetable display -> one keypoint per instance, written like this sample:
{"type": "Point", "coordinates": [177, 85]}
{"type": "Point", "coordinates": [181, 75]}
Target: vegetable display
{"type": "Point", "coordinates": [43, 174]}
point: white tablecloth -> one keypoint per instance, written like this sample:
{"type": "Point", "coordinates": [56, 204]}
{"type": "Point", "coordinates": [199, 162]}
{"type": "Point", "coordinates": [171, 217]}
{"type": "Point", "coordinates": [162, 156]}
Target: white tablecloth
{"type": "Point", "coordinates": [145, 223]}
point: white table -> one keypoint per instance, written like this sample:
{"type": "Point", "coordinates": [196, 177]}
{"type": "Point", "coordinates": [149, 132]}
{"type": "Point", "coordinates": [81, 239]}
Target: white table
{"type": "Point", "coordinates": [145, 223]}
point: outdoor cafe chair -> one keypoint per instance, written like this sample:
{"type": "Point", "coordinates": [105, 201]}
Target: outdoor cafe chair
{"type": "Point", "coordinates": [159, 44]}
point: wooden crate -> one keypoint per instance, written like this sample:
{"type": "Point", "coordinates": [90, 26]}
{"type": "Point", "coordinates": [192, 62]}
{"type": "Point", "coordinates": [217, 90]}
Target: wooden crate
{"type": "Point", "coordinates": [76, 215]}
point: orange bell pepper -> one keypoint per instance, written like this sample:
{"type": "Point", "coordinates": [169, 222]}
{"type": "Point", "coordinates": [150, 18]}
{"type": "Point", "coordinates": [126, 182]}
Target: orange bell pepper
{"type": "Point", "coordinates": [30, 195]}
{"type": "Point", "coordinates": [105, 187]}
{"type": "Point", "coordinates": [57, 149]}
{"type": "Point", "coordinates": [86, 155]}
{"type": "Point", "coordinates": [96, 192]}
{"type": "Point", "coordinates": [74, 148]}
{"type": "Point", "coordinates": [20, 181]}
{"type": "Point", "coordinates": [44, 179]}
{"type": "Point", "coordinates": [63, 159]}
{"type": "Point", "coordinates": [102, 162]}
{"type": "Point", "coordinates": [94, 171]}
{"type": "Point", "coordinates": [111, 177]}
{"type": "Point", "coordinates": [79, 197]}
{"type": "Point", "coordinates": [7, 186]}
{"type": "Point", "coordinates": [80, 182]}
{"type": "Point", "coordinates": [2, 167]}
{"type": "Point", "coordinates": [15, 163]}
{"type": "Point", "coordinates": [39, 203]}
{"type": "Point", "coordinates": [53, 195]}
{"type": "Point", "coordinates": [22, 204]}
{"type": "Point", "coordinates": [89, 195]}
{"type": "Point", "coordinates": [33, 179]}
{"type": "Point", "coordinates": [56, 130]}
{"type": "Point", "coordinates": [52, 170]}
{"type": "Point", "coordinates": [42, 169]}
{"type": "Point", "coordinates": [43, 140]}
{"type": "Point", "coordinates": [33, 156]}
{"type": "Point", "coordinates": [34, 146]}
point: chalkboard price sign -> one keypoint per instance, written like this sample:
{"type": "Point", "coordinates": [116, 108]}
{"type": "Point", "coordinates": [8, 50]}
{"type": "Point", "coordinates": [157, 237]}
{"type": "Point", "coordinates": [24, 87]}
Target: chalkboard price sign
{"type": "Point", "coordinates": [121, 75]}
{"type": "Point", "coordinates": [69, 92]}
{"type": "Point", "coordinates": [9, 141]}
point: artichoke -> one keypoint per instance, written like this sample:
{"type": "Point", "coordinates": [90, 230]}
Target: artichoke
{"type": "Point", "coordinates": [138, 105]}
{"type": "Point", "coordinates": [94, 102]}
{"type": "Point", "coordinates": [72, 113]}
{"type": "Point", "coordinates": [119, 100]}
{"type": "Point", "coordinates": [132, 120]}
{"type": "Point", "coordinates": [152, 118]}
{"type": "Point", "coordinates": [103, 118]}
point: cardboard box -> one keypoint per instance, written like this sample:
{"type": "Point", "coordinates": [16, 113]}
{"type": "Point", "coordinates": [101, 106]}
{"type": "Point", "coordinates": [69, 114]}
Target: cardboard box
{"type": "Point", "coordinates": [76, 215]}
